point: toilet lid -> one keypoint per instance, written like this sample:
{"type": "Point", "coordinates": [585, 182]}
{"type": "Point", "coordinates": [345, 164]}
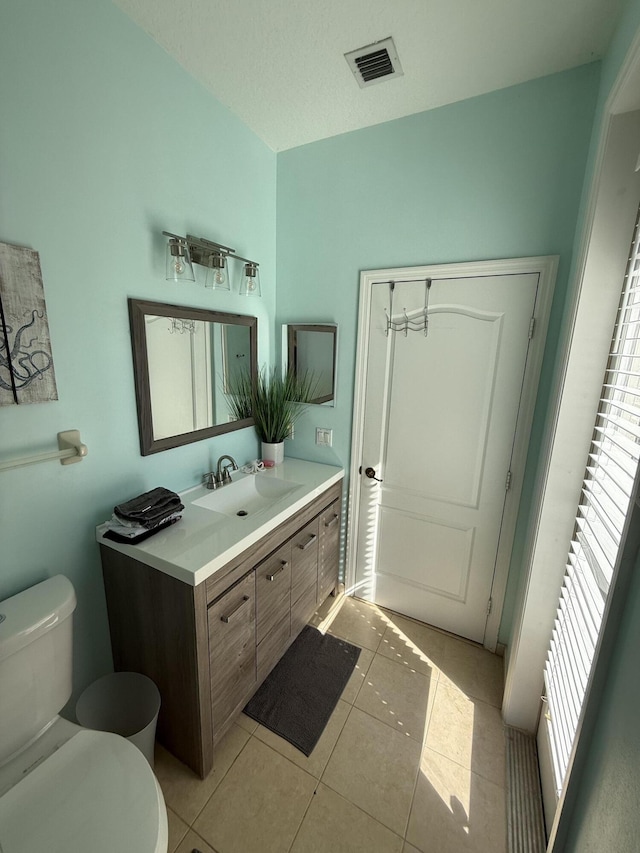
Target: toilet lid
{"type": "Point", "coordinates": [95, 793]}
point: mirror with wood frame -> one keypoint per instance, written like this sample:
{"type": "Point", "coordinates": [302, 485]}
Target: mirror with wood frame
{"type": "Point", "coordinates": [184, 360]}
{"type": "Point", "coordinates": [311, 350]}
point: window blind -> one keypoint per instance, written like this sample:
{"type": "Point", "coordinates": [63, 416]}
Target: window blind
{"type": "Point", "coordinates": [604, 504]}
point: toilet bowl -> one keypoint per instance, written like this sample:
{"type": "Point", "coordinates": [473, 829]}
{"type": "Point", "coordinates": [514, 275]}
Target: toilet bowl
{"type": "Point", "coordinates": [63, 788]}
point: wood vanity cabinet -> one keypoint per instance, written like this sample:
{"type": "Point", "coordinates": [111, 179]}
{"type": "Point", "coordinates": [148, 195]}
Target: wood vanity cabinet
{"type": "Point", "coordinates": [329, 550]}
{"type": "Point", "coordinates": [232, 648]}
{"type": "Point", "coordinates": [273, 582]}
{"type": "Point", "coordinates": [304, 581]}
{"type": "Point", "coordinates": [209, 647]}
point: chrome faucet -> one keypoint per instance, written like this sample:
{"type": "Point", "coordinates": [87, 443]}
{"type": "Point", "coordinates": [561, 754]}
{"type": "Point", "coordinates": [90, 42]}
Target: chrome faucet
{"type": "Point", "coordinates": [222, 471]}
{"type": "Point", "coordinates": [221, 476]}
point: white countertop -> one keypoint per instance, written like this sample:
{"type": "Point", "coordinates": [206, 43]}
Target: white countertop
{"type": "Point", "coordinates": [204, 541]}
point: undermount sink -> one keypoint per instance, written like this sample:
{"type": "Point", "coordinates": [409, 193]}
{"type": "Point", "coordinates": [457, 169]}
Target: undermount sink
{"type": "Point", "coordinates": [247, 495]}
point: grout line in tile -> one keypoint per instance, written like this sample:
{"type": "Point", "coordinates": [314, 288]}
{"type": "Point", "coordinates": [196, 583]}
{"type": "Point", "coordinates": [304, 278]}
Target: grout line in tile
{"type": "Point", "coordinates": [441, 631]}
{"type": "Point", "coordinates": [362, 808]}
{"type": "Point", "coordinates": [434, 674]}
{"type": "Point", "coordinates": [356, 804]}
{"type": "Point", "coordinates": [353, 642]}
{"type": "Point", "coordinates": [280, 755]}
{"type": "Point", "coordinates": [448, 757]}
{"type": "Point", "coordinates": [324, 769]}
{"type": "Point", "coordinates": [413, 796]}
{"type": "Point", "coordinates": [220, 781]}
{"type": "Point", "coordinates": [470, 697]}
{"type": "Point", "coordinates": [436, 687]}
{"type": "Point", "coordinates": [297, 832]}
{"type": "Point", "coordinates": [183, 836]}
{"type": "Point", "coordinates": [364, 675]}
{"type": "Point", "coordinates": [384, 722]}
{"type": "Point", "coordinates": [200, 838]}
{"type": "Point", "coordinates": [466, 769]}
{"type": "Point", "coordinates": [297, 766]}
{"type": "Point", "coordinates": [319, 778]}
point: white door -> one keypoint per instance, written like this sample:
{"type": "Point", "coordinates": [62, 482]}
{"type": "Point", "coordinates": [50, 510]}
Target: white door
{"type": "Point", "coordinates": [439, 420]}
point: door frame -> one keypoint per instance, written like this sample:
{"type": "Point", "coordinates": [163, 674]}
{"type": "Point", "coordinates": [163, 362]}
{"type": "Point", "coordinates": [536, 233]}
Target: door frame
{"type": "Point", "coordinates": [546, 268]}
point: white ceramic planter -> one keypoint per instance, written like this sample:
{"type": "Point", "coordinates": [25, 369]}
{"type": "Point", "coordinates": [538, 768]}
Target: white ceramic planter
{"type": "Point", "coordinates": [273, 452]}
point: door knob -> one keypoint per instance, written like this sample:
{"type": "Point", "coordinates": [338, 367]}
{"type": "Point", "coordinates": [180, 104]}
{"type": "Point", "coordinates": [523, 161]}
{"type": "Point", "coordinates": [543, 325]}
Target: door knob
{"type": "Point", "coordinates": [371, 474]}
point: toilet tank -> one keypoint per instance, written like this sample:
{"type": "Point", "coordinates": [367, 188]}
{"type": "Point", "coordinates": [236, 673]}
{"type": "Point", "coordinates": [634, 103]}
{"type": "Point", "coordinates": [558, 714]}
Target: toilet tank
{"type": "Point", "coordinates": [35, 660]}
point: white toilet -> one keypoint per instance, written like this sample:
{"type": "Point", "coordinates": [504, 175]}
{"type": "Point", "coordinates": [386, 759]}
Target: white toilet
{"type": "Point", "coordinates": [63, 789]}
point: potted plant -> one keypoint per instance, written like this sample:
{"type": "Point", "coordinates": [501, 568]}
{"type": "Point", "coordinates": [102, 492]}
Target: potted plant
{"type": "Point", "coordinates": [275, 401]}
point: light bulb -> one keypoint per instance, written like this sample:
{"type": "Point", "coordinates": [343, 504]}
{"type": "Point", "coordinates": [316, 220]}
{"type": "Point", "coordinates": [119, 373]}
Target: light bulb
{"type": "Point", "coordinates": [178, 261]}
{"type": "Point", "coordinates": [250, 282]}
{"type": "Point", "coordinates": [217, 273]}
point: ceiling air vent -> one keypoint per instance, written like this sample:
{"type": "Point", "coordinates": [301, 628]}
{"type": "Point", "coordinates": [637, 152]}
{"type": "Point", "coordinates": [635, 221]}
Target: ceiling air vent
{"type": "Point", "coordinates": [374, 62]}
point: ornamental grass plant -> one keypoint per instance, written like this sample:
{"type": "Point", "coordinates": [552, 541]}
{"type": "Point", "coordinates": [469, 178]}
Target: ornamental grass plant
{"type": "Point", "coordinates": [274, 400]}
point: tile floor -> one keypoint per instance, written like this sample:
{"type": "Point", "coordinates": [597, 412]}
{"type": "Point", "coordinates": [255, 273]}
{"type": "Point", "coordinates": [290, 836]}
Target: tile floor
{"type": "Point", "coordinates": [412, 760]}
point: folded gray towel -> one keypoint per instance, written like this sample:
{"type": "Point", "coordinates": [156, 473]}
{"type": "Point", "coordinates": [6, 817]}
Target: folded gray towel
{"type": "Point", "coordinates": [150, 508]}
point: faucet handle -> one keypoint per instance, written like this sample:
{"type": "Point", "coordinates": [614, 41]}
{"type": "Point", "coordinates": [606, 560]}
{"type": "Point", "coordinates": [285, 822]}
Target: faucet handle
{"type": "Point", "coordinates": [226, 476]}
{"type": "Point", "coordinates": [210, 480]}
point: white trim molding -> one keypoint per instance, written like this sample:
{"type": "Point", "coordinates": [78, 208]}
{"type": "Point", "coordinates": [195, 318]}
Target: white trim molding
{"type": "Point", "coordinates": [546, 268]}
{"type": "Point", "coordinates": [564, 453]}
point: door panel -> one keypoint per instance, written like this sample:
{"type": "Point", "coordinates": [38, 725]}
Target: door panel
{"type": "Point", "coordinates": [440, 418]}
{"type": "Point", "coordinates": [449, 405]}
{"type": "Point", "coordinates": [435, 556]}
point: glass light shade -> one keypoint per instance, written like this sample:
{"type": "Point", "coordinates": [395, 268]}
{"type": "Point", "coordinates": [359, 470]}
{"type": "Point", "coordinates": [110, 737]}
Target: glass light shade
{"type": "Point", "coordinates": [217, 273]}
{"type": "Point", "coordinates": [179, 266]}
{"type": "Point", "coordinates": [250, 280]}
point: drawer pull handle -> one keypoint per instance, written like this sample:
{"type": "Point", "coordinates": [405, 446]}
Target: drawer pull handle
{"type": "Point", "coordinates": [310, 542]}
{"type": "Point", "coordinates": [226, 618]}
{"type": "Point", "coordinates": [333, 521]}
{"type": "Point", "coordinates": [273, 575]}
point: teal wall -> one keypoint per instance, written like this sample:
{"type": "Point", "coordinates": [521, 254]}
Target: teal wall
{"type": "Point", "coordinates": [496, 176]}
{"type": "Point", "coordinates": [104, 142]}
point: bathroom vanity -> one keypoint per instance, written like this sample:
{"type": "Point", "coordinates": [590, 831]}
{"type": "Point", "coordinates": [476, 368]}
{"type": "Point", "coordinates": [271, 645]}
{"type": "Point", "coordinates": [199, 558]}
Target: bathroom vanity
{"type": "Point", "coordinates": [207, 607]}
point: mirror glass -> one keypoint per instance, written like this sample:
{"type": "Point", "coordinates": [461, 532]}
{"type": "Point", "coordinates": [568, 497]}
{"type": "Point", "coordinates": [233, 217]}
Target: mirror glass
{"type": "Point", "coordinates": [184, 359]}
{"type": "Point", "coordinates": [311, 349]}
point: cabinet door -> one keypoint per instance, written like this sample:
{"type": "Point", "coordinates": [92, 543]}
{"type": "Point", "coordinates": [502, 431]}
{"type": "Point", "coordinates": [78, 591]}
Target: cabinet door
{"type": "Point", "coordinates": [302, 610]}
{"type": "Point", "coordinates": [329, 552]}
{"type": "Point", "coordinates": [304, 560]}
{"type": "Point", "coordinates": [232, 649]}
{"type": "Point", "coordinates": [273, 646]}
{"type": "Point", "coordinates": [273, 590]}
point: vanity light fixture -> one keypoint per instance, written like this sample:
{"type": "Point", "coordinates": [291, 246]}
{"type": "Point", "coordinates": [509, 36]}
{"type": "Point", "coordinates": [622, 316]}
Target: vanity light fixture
{"type": "Point", "coordinates": [250, 281]}
{"type": "Point", "coordinates": [217, 273]}
{"type": "Point", "coordinates": [179, 266]}
{"type": "Point", "coordinates": [182, 252]}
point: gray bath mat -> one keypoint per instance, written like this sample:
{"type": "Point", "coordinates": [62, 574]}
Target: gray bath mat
{"type": "Point", "coordinates": [299, 695]}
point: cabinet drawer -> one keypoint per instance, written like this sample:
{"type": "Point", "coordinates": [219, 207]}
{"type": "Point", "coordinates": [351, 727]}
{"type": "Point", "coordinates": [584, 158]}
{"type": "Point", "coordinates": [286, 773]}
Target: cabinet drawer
{"type": "Point", "coordinates": [273, 590]}
{"type": "Point", "coordinates": [273, 646]}
{"type": "Point", "coordinates": [303, 610]}
{"type": "Point", "coordinates": [232, 648]}
{"type": "Point", "coordinates": [329, 550]}
{"type": "Point", "coordinates": [304, 560]}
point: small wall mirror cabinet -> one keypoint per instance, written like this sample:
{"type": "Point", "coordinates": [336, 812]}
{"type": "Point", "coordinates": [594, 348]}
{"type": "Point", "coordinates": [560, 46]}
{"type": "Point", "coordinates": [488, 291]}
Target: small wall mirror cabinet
{"type": "Point", "coordinates": [184, 359]}
{"type": "Point", "coordinates": [311, 349]}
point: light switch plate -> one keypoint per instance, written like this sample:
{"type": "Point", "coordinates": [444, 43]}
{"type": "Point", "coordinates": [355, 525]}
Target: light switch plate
{"type": "Point", "coordinates": [324, 436]}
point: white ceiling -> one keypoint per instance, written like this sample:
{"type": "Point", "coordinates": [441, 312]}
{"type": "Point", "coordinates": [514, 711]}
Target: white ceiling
{"type": "Point", "coordinates": [279, 64]}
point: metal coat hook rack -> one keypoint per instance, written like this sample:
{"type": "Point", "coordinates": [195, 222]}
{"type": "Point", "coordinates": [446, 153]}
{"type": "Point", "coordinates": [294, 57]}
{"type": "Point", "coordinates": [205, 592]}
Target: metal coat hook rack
{"type": "Point", "coordinates": [419, 323]}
